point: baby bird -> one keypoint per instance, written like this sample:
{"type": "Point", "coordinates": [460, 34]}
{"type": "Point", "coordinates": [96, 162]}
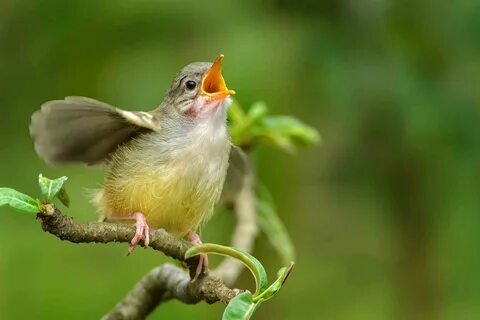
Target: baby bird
{"type": "Point", "coordinates": [166, 167]}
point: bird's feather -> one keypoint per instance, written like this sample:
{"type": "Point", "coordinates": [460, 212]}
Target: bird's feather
{"type": "Point", "coordinates": [79, 129]}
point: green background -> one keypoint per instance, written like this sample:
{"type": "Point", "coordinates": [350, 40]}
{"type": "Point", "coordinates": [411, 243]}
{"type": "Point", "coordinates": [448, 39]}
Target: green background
{"type": "Point", "coordinates": [384, 214]}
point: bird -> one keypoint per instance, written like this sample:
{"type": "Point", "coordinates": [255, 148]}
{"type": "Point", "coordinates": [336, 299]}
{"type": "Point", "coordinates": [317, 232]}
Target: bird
{"type": "Point", "coordinates": [165, 168]}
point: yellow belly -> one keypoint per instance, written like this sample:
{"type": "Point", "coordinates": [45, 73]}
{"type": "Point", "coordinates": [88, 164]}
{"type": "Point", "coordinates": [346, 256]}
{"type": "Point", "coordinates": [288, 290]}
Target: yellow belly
{"type": "Point", "coordinates": [173, 200]}
{"type": "Point", "coordinates": [177, 194]}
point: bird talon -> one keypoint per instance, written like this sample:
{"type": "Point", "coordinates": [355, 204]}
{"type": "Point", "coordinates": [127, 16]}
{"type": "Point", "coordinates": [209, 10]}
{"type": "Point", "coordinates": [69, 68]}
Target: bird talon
{"type": "Point", "coordinates": [142, 231]}
{"type": "Point", "coordinates": [194, 239]}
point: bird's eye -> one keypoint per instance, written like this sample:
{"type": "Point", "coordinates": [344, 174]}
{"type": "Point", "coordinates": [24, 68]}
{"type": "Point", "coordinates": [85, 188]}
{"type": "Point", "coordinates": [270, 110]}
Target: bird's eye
{"type": "Point", "coordinates": [190, 84]}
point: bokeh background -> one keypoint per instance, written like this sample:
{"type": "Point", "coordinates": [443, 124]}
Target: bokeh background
{"type": "Point", "coordinates": [385, 214]}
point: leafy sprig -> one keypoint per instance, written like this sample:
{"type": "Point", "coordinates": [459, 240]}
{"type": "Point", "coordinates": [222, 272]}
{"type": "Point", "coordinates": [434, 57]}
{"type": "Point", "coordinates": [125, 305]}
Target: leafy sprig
{"type": "Point", "coordinates": [244, 305]}
{"type": "Point", "coordinates": [256, 127]}
{"type": "Point", "coordinates": [50, 189]}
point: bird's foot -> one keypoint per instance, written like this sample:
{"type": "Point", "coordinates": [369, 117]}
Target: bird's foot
{"type": "Point", "coordinates": [194, 239]}
{"type": "Point", "coordinates": [142, 231]}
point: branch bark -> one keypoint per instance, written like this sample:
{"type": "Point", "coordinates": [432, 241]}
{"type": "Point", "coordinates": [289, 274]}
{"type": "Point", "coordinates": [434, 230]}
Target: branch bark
{"type": "Point", "coordinates": [161, 284]}
{"type": "Point", "coordinates": [65, 228]}
{"type": "Point", "coordinates": [164, 283]}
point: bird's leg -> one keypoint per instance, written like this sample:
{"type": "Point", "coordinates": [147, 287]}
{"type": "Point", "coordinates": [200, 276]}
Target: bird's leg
{"type": "Point", "coordinates": [194, 239]}
{"type": "Point", "coordinates": [142, 230]}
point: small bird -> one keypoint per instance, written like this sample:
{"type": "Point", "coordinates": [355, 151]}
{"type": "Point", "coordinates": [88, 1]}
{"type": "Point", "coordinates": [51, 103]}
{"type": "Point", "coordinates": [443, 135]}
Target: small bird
{"type": "Point", "coordinates": [166, 167]}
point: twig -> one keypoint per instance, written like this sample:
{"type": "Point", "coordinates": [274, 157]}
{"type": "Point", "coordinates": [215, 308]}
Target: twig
{"type": "Point", "coordinates": [165, 283]}
{"type": "Point", "coordinates": [66, 228]}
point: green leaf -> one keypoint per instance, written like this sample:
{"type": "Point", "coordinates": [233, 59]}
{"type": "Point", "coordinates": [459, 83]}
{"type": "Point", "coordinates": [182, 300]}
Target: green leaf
{"type": "Point", "coordinates": [255, 127]}
{"type": "Point", "coordinates": [286, 133]}
{"type": "Point", "coordinates": [282, 276]}
{"type": "Point", "coordinates": [280, 142]}
{"type": "Point", "coordinates": [62, 195]}
{"type": "Point", "coordinates": [236, 115]}
{"type": "Point", "coordinates": [273, 227]}
{"type": "Point", "coordinates": [50, 188]}
{"type": "Point", "coordinates": [18, 200]}
{"type": "Point", "coordinates": [257, 111]}
{"type": "Point", "coordinates": [255, 267]}
{"type": "Point", "coordinates": [299, 133]}
{"type": "Point", "coordinates": [244, 305]}
{"type": "Point", "coordinates": [240, 307]}
{"type": "Point", "coordinates": [243, 131]}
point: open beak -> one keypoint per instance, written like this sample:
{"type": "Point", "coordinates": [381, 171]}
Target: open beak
{"type": "Point", "coordinates": [213, 84]}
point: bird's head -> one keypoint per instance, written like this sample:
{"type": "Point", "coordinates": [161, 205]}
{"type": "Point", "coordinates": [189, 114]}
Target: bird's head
{"type": "Point", "coordinates": [199, 90]}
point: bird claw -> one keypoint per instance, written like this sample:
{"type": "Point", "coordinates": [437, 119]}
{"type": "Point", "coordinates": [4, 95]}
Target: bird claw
{"type": "Point", "coordinates": [194, 239]}
{"type": "Point", "coordinates": [142, 231]}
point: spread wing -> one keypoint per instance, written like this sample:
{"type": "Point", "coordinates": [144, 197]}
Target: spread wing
{"type": "Point", "coordinates": [79, 129]}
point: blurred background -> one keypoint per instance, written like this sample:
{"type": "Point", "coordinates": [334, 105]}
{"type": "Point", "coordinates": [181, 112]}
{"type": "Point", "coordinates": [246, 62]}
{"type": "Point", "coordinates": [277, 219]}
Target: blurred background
{"type": "Point", "coordinates": [384, 214]}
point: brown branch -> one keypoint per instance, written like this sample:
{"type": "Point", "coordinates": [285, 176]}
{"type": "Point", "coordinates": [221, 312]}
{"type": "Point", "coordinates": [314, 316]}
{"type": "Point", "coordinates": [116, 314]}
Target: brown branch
{"type": "Point", "coordinates": [244, 201]}
{"type": "Point", "coordinates": [103, 232]}
{"type": "Point", "coordinates": [164, 283]}
{"type": "Point", "coordinates": [161, 284]}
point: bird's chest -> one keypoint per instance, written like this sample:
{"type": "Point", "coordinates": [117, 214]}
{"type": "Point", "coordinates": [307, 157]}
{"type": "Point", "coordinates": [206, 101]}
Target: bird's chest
{"type": "Point", "coordinates": [198, 166]}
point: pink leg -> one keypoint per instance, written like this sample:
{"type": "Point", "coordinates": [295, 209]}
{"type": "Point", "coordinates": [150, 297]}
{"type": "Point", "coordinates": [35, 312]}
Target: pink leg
{"type": "Point", "coordinates": [142, 231]}
{"type": "Point", "coordinates": [194, 239]}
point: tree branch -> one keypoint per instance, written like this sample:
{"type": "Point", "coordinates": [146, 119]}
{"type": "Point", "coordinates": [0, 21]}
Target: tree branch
{"type": "Point", "coordinates": [161, 284]}
{"type": "Point", "coordinates": [104, 232]}
{"type": "Point", "coordinates": [164, 283]}
{"type": "Point", "coordinates": [170, 282]}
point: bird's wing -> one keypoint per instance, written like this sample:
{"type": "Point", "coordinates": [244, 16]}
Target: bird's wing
{"type": "Point", "coordinates": [79, 129]}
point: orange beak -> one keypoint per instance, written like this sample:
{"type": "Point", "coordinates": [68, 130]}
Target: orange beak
{"type": "Point", "coordinates": [213, 84]}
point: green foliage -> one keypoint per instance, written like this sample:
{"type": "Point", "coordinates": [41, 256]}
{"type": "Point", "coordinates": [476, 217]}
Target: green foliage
{"type": "Point", "coordinates": [50, 189]}
{"type": "Point", "coordinates": [255, 267]}
{"type": "Point", "coordinates": [282, 276]}
{"type": "Point", "coordinates": [240, 308]}
{"type": "Point", "coordinates": [243, 306]}
{"type": "Point", "coordinates": [18, 200]}
{"type": "Point", "coordinates": [63, 197]}
{"type": "Point", "coordinates": [257, 127]}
